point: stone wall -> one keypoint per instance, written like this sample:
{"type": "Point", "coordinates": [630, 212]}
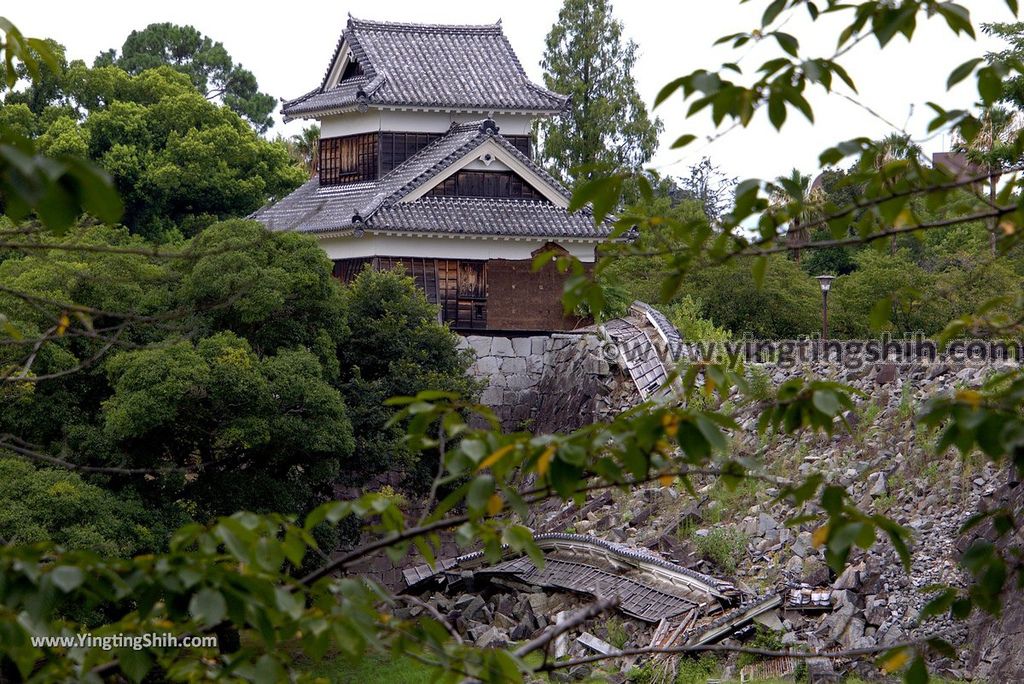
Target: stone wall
{"type": "Point", "coordinates": [550, 383]}
{"type": "Point", "coordinates": [513, 368]}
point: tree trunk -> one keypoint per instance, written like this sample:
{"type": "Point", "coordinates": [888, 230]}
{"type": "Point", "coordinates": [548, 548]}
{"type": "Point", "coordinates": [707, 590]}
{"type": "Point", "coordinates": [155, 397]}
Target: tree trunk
{"type": "Point", "coordinates": [993, 223]}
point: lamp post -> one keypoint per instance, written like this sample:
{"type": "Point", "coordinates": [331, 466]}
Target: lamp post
{"type": "Point", "coordinates": [826, 283]}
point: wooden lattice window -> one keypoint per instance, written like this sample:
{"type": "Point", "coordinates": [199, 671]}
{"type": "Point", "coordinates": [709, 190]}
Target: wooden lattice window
{"type": "Point", "coordinates": [503, 184]}
{"type": "Point", "coordinates": [521, 143]}
{"type": "Point", "coordinates": [395, 148]}
{"type": "Point", "coordinates": [346, 270]}
{"type": "Point", "coordinates": [348, 159]}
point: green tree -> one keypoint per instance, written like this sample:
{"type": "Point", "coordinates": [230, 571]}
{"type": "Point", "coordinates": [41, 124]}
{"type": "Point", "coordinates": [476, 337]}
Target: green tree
{"type": "Point", "coordinates": [395, 347]}
{"type": "Point", "coordinates": [179, 161]}
{"type": "Point", "coordinates": [54, 505]}
{"type": "Point", "coordinates": [607, 126]}
{"type": "Point", "coordinates": [786, 304]}
{"type": "Point", "coordinates": [893, 278]}
{"type": "Point", "coordinates": [44, 91]}
{"type": "Point", "coordinates": [206, 62]}
{"type": "Point", "coordinates": [242, 432]}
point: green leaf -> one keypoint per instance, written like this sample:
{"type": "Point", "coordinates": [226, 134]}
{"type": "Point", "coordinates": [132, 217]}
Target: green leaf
{"type": "Point", "coordinates": [962, 71]}
{"type": "Point", "coordinates": [683, 141]}
{"type": "Point", "coordinates": [67, 578]}
{"type": "Point", "coordinates": [826, 402]}
{"type": "Point", "coordinates": [208, 607]}
{"type": "Point", "coordinates": [135, 664]}
{"type": "Point", "coordinates": [787, 42]}
{"type": "Point", "coordinates": [917, 673]}
{"type": "Point", "coordinates": [772, 12]}
{"type": "Point", "coordinates": [881, 313]}
{"type": "Point", "coordinates": [667, 90]}
{"type": "Point", "coordinates": [990, 86]}
{"type": "Point", "coordinates": [602, 193]}
{"type": "Point", "coordinates": [758, 271]}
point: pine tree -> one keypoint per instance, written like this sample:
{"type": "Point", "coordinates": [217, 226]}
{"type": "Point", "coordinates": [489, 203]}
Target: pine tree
{"type": "Point", "coordinates": [607, 126]}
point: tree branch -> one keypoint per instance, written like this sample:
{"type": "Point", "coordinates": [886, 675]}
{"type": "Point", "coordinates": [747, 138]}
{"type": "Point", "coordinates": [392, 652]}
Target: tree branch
{"type": "Point", "coordinates": [722, 648]}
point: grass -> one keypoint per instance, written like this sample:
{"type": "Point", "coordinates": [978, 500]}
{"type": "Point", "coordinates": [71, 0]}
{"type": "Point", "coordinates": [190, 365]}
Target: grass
{"type": "Point", "coordinates": [725, 546]}
{"type": "Point", "coordinates": [617, 634]}
{"type": "Point", "coordinates": [373, 669]}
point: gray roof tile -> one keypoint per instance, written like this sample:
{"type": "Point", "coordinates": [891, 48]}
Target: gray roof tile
{"type": "Point", "coordinates": [486, 216]}
{"type": "Point", "coordinates": [376, 205]}
{"type": "Point", "coordinates": [429, 65]}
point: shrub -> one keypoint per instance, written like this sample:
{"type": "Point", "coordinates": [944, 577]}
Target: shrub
{"type": "Point", "coordinates": [764, 638]}
{"type": "Point", "coordinates": [724, 546]}
{"type": "Point", "coordinates": [43, 504]}
{"type": "Point", "coordinates": [696, 671]}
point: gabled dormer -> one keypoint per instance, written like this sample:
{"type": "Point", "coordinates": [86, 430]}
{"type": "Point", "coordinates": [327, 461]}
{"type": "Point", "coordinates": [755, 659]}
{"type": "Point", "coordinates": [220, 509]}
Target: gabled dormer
{"type": "Point", "coordinates": [392, 89]}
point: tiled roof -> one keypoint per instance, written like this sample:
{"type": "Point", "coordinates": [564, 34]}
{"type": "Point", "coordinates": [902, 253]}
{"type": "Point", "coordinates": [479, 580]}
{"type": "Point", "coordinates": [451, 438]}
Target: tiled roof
{"type": "Point", "coordinates": [429, 65]}
{"type": "Point", "coordinates": [376, 205]}
{"type": "Point", "coordinates": [486, 216]}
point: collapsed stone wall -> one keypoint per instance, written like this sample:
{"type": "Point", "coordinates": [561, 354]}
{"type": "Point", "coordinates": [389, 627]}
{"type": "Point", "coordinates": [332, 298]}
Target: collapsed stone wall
{"type": "Point", "coordinates": [550, 383]}
{"type": "Point", "coordinates": [887, 463]}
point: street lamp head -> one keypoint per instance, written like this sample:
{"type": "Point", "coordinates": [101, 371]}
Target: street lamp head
{"type": "Point", "coordinates": [826, 282]}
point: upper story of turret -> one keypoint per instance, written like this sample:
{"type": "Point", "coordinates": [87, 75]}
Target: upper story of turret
{"type": "Point", "coordinates": [393, 88]}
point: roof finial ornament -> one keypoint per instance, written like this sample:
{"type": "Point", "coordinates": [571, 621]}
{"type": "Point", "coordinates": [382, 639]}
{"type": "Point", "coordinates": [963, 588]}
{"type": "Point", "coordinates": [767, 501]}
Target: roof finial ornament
{"type": "Point", "coordinates": [488, 126]}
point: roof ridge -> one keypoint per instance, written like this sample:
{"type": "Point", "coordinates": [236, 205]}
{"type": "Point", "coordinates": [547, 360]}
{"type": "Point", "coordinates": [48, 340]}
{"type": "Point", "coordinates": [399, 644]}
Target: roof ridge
{"type": "Point", "coordinates": [379, 25]}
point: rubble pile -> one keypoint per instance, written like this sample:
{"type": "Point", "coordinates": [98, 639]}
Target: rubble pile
{"type": "Point", "coordinates": [886, 461]}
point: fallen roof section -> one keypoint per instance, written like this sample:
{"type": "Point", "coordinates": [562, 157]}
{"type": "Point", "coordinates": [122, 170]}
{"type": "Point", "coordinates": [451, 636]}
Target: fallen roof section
{"type": "Point", "coordinates": [649, 588]}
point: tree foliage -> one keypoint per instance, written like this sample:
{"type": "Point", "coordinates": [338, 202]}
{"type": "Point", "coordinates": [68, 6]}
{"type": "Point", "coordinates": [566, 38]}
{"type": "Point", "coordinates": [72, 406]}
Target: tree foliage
{"type": "Point", "coordinates": [44, 505]}
{"type": "Point", "coordinates": [239, 571]}
{"type": "Point", "coordinates": [206, 62]}
{"type": "Point", "coordinates": [179, 161]}
{"type": "Point", "coordinates": [606, 126]}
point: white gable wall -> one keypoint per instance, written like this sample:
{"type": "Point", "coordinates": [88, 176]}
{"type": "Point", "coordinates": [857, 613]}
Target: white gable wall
{"type": "Point", "coordinates": [406, 121]}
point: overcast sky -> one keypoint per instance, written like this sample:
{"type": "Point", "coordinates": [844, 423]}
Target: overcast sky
{"type": "Point", "coordinates": [288, 44]}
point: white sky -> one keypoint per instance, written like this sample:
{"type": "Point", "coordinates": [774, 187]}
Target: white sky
{"type": "Point", "coordinates": [287, 46]}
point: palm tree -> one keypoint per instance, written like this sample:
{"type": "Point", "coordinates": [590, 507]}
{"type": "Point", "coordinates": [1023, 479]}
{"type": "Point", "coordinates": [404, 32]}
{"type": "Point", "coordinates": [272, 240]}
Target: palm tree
{"type": "Point", "coordinates": [307, 148]}
{"type": "Point", "coordinates": [993, 150]}
{"type": "Point", "coordinates": [896, 147]}
{"type": "Point", "coordinates": [797, 191]}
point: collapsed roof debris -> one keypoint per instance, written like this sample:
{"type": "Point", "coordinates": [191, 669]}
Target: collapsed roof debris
{"type": "Point", "coordinates": [688, 606]}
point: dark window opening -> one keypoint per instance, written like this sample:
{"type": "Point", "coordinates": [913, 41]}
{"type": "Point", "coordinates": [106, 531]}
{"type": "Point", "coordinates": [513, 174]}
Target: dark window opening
{"type": "Point", "coordinates": [502, 184]}
{"type": "Point", "coordinates": [367, 156]}
{"type": "Point", "coordinates": [395, 148]}
{"type": "Point", "coordinates": [521, 143]}
{"type": "Point", "coordinates": [352, 69]}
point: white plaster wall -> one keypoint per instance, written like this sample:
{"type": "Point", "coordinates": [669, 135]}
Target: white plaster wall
{"type": "Point", "coordinates": [415, 122]}
{"type": "Point", "coordinates": [455, 247]}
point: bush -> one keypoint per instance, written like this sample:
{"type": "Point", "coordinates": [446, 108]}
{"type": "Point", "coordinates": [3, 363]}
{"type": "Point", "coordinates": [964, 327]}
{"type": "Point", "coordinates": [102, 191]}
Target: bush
{"type": "Point", "coordinates": [395, 347]}
{"type": "Point", "coordinates": [684, 313]}
{"type": "Point", "coordinates": [42, 504]}
{"type": "Point", "coordinates": [764, 638]}
{"type": "Point", "coordinates": [725, 546]}
{"type": "Point", "coordinates": [786, 305]}
{"type": "Point", "coordinates": [696, 671]}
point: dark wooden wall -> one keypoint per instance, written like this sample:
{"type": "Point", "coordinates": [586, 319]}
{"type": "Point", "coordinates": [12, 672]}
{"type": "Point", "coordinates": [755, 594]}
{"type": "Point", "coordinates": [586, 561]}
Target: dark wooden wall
{"type": "Point", "coordinates": [518, 299]}
{"type": "Point", "coordinates": [504, 184]}
{"type": "Point", "coordinates": [496, 295]}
